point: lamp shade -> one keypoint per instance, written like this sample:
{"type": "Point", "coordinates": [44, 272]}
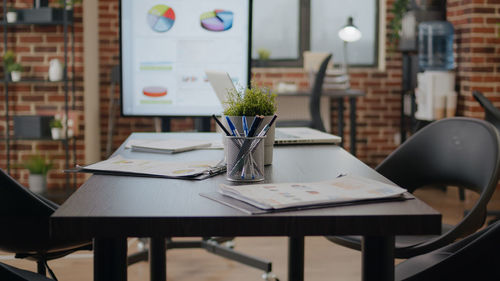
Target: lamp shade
{"type": "Point", "coordinates": [349, 33]}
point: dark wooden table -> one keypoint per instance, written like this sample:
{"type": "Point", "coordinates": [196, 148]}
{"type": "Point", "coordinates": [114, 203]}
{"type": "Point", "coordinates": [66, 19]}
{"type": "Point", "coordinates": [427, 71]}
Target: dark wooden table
{"type": "Point", "coordinates": [339, 95]}
{"type": "Point", "coordinates": [112, 208]}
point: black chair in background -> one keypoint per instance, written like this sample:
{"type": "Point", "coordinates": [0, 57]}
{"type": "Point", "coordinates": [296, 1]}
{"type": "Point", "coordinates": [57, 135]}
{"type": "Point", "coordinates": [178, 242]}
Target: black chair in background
{"type": "Point", "coordinates": [458, 151]}
{"type": "Point", "coordinates": [473, 258]}
{"type": "Point", "coordinates": [314, 103]}
{"type": "Point", "coordinates": [25, 226]}
{"type": "Point", "coordinates": [492, 115]}
{"type": "Point", "coordinates": [10, 273]}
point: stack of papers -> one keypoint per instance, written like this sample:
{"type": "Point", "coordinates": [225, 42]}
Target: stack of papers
{"type": "Point", "coordinates": [340, 191]}
{"type": "Point", "coordinates": [140, 167]}
{"type": "Point", "coordinates": [168, 145]}
{"type": "Point", "coordinates": [336, 80]}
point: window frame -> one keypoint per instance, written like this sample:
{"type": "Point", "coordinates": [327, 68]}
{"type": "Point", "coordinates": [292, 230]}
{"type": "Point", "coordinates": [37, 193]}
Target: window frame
{"type": "Point", "coordinates": [305, 38]}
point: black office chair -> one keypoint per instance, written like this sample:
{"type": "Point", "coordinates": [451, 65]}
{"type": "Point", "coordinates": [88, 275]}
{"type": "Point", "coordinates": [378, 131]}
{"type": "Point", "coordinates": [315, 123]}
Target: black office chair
{"type": "Point", "coordinates": [10, 273]}
{"type": "Point", "coordinates": [458, 151]}
{"type": "Point", "coordinates": [492, 115]}
{"type": "Point", "coordinates": [25, 226]}
{"type": "Point", "coordinates": [314, 103]}
{"type": "Point", "coordinates": [473, 258]}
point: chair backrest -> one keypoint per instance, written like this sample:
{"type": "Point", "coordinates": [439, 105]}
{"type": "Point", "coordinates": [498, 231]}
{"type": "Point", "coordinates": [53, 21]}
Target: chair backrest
{"type": "Point", "coordinates": [492, 114]}
{"type": "Point", "coordinates": [457, 151]}
{"type": "Point", "coordinates": [315, 99]}
{"type": "Point", "coordinates": [18, 201]}
{"type": "Point", "coordinates": [25, 217]}
{"type": "Point", "coordinates": [473, 258]}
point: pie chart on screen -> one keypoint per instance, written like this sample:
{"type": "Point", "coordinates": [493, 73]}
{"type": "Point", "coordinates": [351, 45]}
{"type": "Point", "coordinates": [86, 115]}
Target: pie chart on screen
{"type": "Point", "coordinates": [161, 18]}
{"type": "Point", "coordinates": [154, 92]}
{"type": "Point", "coordinates": [217, 20]}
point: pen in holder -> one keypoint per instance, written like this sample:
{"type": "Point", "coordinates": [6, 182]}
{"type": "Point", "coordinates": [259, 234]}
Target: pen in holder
{"type": "Point", "coordinates": [245, 158]}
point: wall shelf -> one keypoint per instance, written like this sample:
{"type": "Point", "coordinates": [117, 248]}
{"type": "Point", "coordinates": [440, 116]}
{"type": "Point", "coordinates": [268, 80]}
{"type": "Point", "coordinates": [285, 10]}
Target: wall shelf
{"type": "Point", "coordinates": [68, 82]}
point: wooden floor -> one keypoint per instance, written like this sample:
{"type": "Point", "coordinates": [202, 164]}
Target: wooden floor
{"type": "Point", "coordinates": [323, 261]}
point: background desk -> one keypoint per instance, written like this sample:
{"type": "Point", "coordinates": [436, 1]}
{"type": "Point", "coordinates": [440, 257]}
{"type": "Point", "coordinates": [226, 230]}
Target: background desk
{"type": "Point", "coordinates": [295, 105]}
{"type": "Point", "coordinates": [111, 208]}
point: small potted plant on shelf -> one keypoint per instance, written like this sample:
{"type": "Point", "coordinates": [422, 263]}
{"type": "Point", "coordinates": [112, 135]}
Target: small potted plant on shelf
{"type": "Point", "coordinates": [11, 15]}
{"type": "Point", "coordinates": [38, 167]}
{"type": "Point", "coordinates": [56, 128]}
{"type": "Point", "coordinates": [69, 3]}
{"type": "Point", "coordinates": [12, 66]}
{"type": "Point", "coordinates": [263, 55]}
{"type": "Point", "coordinates": [251, 102]}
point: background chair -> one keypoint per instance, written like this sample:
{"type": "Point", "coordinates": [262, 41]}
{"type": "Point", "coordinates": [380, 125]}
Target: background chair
{"type": "Point", "coordinates": [492, 115]}
{"type": "Point", "coordinates": [314, 102]}
{"type": "Point", "coordinates": [25, 226]}
{"type": "Point", "coordinates": [457, 151]}
{"type": "Point", "coordinates": [11, 273]}
{"type": "Point", "coordinates": [474, 258]}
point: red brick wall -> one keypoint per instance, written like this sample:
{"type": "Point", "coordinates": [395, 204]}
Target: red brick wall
{"type": "Point", "coordinates": [477, 38]}
{"type": "Point", "coordinates": [35, 46]}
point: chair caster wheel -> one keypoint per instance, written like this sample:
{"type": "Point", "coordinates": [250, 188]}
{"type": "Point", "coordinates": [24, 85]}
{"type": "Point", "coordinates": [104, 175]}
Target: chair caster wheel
{"type": "Point", "coordinates": [269, 276]}
{"type": "Point", "coordinates": [229, 244]}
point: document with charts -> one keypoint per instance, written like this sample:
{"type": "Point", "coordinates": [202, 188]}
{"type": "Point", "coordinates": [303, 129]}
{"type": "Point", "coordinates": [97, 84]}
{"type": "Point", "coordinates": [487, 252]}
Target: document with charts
{"type": "Point", "coordinates": [119, 165]}
{"type": "Point", "coordinates": [345, 189]}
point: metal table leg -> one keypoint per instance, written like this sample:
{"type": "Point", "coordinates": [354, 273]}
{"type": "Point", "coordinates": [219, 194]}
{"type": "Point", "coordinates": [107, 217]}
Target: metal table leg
{"type": "Point", "coordinates": [296, 258]}
{"type": "Point", "coordinates": [378, 258]}
{"type": "Point", "coordinates": [110, 259]}
{"type": "Point", "coordinates": [157, 259]}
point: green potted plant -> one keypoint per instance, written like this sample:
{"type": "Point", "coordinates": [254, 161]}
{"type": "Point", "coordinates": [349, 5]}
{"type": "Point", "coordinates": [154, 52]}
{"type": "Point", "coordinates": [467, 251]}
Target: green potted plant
{"type": "Point", "coordinates": [38, 167]}
{"type": "Point", "coordinates": [12, 67]}
{"type": "Point", "coordinates": [249, 103]}
{"type": "Point", "coordinates": [264, 55]}
{"type": "Point", "coordinates": [399, 8]}
{"type": "Point", "coordinates": [69, 3]}
{"type": "Point", "coordinates": [56, 128]}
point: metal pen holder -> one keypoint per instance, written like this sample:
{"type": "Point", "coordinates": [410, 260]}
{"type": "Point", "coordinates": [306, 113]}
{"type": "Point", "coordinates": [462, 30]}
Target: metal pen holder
{"type": "Point", "coordinates": [245, 158]}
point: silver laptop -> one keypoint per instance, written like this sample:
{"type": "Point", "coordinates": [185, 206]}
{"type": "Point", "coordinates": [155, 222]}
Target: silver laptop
{"type": "Point", "coordinates": [303, 135]}
{"type": "Point", "coordinates": [221, 83]}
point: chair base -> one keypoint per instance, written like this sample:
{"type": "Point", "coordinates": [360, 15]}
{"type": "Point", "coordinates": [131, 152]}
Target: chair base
{"type": "Point", "coordinates": [212, 245]}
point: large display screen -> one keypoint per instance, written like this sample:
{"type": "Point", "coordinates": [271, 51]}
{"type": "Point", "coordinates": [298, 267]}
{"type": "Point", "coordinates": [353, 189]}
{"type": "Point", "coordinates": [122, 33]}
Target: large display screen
{"type": "Point", "coordinates": [166, 46]}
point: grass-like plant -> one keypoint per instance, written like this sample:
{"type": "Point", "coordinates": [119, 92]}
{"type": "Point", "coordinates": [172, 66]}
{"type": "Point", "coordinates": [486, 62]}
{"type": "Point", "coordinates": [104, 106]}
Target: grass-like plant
{"type": "Point", "coordinates": [9, 58]}
{"type": "Point", "coordinates": [250, 102]}
{"type": "Point", "coordinates": [56, 123]}
{"type": "Point", "coordinates": [38, 164]}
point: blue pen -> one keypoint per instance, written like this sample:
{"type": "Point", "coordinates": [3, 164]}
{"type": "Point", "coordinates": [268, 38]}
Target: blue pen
{"type": "Point", "coordinates": [232, 127]}
{"type": "Point", "coordinates": [245, 126]}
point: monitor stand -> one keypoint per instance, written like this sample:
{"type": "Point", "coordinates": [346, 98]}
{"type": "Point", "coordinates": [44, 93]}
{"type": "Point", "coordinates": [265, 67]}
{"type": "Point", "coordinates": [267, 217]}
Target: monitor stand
{"type": "Point", "coordinates": [201, 124]}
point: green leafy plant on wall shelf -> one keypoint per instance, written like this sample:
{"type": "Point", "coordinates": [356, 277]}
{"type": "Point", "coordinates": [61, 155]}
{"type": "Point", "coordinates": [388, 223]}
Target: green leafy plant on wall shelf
{"type": "Point", "coordinates": [69, 3]}
{"type": "Point", "coordinates": [9, 59]}
{"type": "Point", "coordinates": [11, 66]}
{"type": "Point", "coordinates": [399, 8]}
{"type": "Point", "coordinates": [250, 102]}
{"type": "Point", "coordinates": [38, 165]}
{"type": "Point", "coordinates": [56, 123]}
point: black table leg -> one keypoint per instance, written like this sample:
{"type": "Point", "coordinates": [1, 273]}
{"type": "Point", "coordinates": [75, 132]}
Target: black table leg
{"type": "Point", "coordinates": [157, 259]}
{"type": "Point", "coordinates": [110, 259]}
{"type": "Point", "coordinates": [352, 115]}
{"type": "Point", "coordinates": [341, 119]}
{"type": "Point", "coordinates": [378, 258]}
{"type": "Point", "coordinates": [296, 258]}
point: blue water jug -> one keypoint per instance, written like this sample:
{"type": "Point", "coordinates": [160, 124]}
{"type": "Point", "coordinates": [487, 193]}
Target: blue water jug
{"type": "Point", "coordinates": [435, 45]}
